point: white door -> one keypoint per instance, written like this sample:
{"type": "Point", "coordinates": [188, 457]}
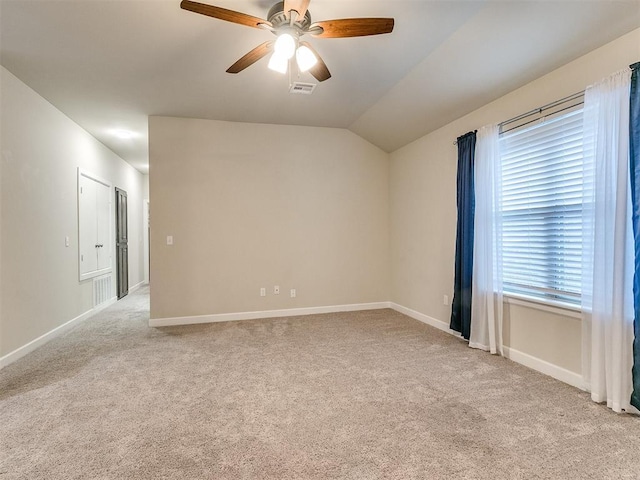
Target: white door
{"type": "Point", "coordinates": [87, 231]}
{"type": "Point", "coordinates": [103, 219]}
{"type": "Point", "coordinates": [94, 226]}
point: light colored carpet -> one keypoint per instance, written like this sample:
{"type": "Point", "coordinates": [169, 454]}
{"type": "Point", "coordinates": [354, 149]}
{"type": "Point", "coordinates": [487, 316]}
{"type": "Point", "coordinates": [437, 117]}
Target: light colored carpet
{"type": "Point", "coordinates": [363, 395]}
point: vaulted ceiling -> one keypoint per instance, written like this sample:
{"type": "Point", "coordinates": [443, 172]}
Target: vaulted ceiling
{"type": "Point", "coordinates": [109, 64]}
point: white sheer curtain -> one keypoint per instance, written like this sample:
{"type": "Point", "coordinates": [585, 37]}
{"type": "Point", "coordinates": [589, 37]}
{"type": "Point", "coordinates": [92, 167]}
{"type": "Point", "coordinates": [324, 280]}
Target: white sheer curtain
{"type": "Point", "coordinates": [486, 300]}
{"type": "Point", "coordinates": [608, 256]}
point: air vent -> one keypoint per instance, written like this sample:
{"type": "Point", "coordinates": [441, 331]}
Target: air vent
{"type": "Point", "coordinates": [301, 87]}
{"type": "Point", "coordinates": [101, 289]}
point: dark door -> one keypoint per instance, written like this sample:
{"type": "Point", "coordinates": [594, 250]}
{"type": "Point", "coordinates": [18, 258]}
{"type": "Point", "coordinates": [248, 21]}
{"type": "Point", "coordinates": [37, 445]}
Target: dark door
{"type": "Point", "coordinates": [122, 257]}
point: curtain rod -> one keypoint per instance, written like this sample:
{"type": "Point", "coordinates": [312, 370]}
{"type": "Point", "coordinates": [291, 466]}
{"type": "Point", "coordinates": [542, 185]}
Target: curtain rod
{"type": "Point", "coordinates": [536, 119]}
{"type": "Point", "coordinates": [539, 110]}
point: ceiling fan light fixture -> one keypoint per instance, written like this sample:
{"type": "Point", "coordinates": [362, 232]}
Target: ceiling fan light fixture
{"type": "Point", "coordinates": [278, 63]}
{"type": "Point", "coordinates": [285, 45]}
{"type": "Point", "coordinates": [305, 58]}
{"type": "Point", "coordinates": [289, 20]}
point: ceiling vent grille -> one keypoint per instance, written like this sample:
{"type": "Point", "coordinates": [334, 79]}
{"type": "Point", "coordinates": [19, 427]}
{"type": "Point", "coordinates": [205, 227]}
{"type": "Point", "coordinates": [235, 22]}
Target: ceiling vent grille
{"type": "Point", "coordinates": [303, 88]}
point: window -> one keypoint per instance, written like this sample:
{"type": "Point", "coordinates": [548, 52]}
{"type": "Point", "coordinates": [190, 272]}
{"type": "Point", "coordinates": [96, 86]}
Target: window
{"type": "Point", "coordinates": [542, 208]}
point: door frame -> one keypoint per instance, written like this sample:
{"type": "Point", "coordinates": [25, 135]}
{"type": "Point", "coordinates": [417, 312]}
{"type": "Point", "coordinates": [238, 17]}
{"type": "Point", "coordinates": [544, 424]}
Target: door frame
{"type": "Point", "coordinates": [145, 238]}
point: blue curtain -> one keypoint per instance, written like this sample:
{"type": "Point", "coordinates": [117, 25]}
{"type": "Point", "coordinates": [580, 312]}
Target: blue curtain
{"type": "Point", "coordinates": [634, 162]}
{"type": "Point", "coordinates": [461, 307]}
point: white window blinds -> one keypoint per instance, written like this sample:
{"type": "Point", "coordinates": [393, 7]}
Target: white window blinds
{"type": "Point", "coordinates": [542, 208]}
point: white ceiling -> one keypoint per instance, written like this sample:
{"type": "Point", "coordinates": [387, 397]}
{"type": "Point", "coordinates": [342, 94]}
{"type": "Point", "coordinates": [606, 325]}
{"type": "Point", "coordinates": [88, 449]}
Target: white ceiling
{"type": "Point", "coordinates": [110, 64]}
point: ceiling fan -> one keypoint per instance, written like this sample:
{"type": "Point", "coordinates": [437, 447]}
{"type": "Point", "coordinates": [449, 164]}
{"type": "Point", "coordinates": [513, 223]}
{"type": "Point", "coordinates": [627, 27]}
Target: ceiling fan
{"type": "Point", "coordinates": [289, 20]}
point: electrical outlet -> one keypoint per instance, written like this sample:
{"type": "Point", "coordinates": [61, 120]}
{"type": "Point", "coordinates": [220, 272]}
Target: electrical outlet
{"type": "Point", "coordinates": [263, 292]}
{"type": "Point", "coordinates": [66, 241]}
{"type": "Point", "coordinates": [445, 299]}
{"type": "Point", "coordinates": [169, 239]}
{"type": "Point", "coordinates": [293, 293]}
{"type": "Point", "coordinates": [276, 290]}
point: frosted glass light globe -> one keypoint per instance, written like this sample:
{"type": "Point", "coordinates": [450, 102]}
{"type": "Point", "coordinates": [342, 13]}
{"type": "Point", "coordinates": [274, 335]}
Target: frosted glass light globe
{"type": "Point", "coordinates": [305, 58]}
{"type": "Point", "coordinates": [278, 63]}
{"type": "Point", "coordinates": [285, 46]}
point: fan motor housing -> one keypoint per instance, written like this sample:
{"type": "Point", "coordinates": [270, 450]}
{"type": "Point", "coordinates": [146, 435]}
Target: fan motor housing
{"type": "Point", "coordinates": [278, 18]}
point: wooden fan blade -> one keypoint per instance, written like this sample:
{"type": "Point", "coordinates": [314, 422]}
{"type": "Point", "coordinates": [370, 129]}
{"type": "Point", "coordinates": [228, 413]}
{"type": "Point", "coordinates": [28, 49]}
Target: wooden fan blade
{"type": "Point", "coordinates": [250, 58]}
{"type": "Point", "coordinates": [353, 27]}
{"type": "Point", "coordinates": [319, 70]}
{"type": "Point", "coordinates": [223, 14]}
{"type": "Point", "coordinates": [299, 6]}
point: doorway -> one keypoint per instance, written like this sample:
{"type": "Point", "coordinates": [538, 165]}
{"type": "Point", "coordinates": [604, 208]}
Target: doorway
{"type": "Point", "coordinates": [122, 256]}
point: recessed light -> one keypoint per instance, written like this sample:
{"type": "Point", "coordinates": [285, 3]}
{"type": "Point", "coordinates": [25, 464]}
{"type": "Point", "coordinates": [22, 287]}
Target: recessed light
{"type": "Point", "coordinates": [123, 134]}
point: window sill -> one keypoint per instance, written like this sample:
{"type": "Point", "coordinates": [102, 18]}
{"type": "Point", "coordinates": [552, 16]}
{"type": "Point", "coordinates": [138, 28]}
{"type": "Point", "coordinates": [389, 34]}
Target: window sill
{"type": "Point", "coordinates": [557, 307]}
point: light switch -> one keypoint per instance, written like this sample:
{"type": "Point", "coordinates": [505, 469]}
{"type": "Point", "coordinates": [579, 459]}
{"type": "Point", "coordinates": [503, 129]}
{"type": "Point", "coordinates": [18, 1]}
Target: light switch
{"type": "Point", "coordinates": [169, 239]}
{"type": "Point", "coordinates": [66, 241]}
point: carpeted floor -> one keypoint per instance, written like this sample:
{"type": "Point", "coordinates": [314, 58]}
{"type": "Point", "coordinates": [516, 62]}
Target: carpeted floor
{"type": "Point", "coordinates": [364, 395]}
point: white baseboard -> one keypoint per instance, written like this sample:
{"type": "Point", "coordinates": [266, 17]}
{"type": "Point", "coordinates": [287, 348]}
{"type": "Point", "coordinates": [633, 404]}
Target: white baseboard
{"type": "Point", "coordinates": [421, 317]}
{"type": "Point", "coordinates": [535, 363]}
{"type": "Point", "coordinates": [289, 312]}
{"type": "Point", "coordinates": [542, 366]}
{"type": "Point", "coordinates": [56, 332]}
{"type": "Point", "coordinates": [137, 286]}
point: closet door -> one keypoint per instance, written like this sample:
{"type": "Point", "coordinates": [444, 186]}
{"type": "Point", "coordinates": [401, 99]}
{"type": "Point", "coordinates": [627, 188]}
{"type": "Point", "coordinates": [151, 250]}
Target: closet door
{"type": "Point", "coordinates": [88, 233]}
{"type": "Point", "coordinates": [94, 226]}
{"type": "Point", "coordinates": [103, 224]}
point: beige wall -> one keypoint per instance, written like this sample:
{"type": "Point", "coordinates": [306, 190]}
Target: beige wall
{"type": "Point", "coordinates": [253, 206]}
{"type": "Point", "coordinates": [423, 209]}
{"type": "Point", "coordinates": [41, 152]}
{"type": "Point", "coordinates": [548, 335]}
